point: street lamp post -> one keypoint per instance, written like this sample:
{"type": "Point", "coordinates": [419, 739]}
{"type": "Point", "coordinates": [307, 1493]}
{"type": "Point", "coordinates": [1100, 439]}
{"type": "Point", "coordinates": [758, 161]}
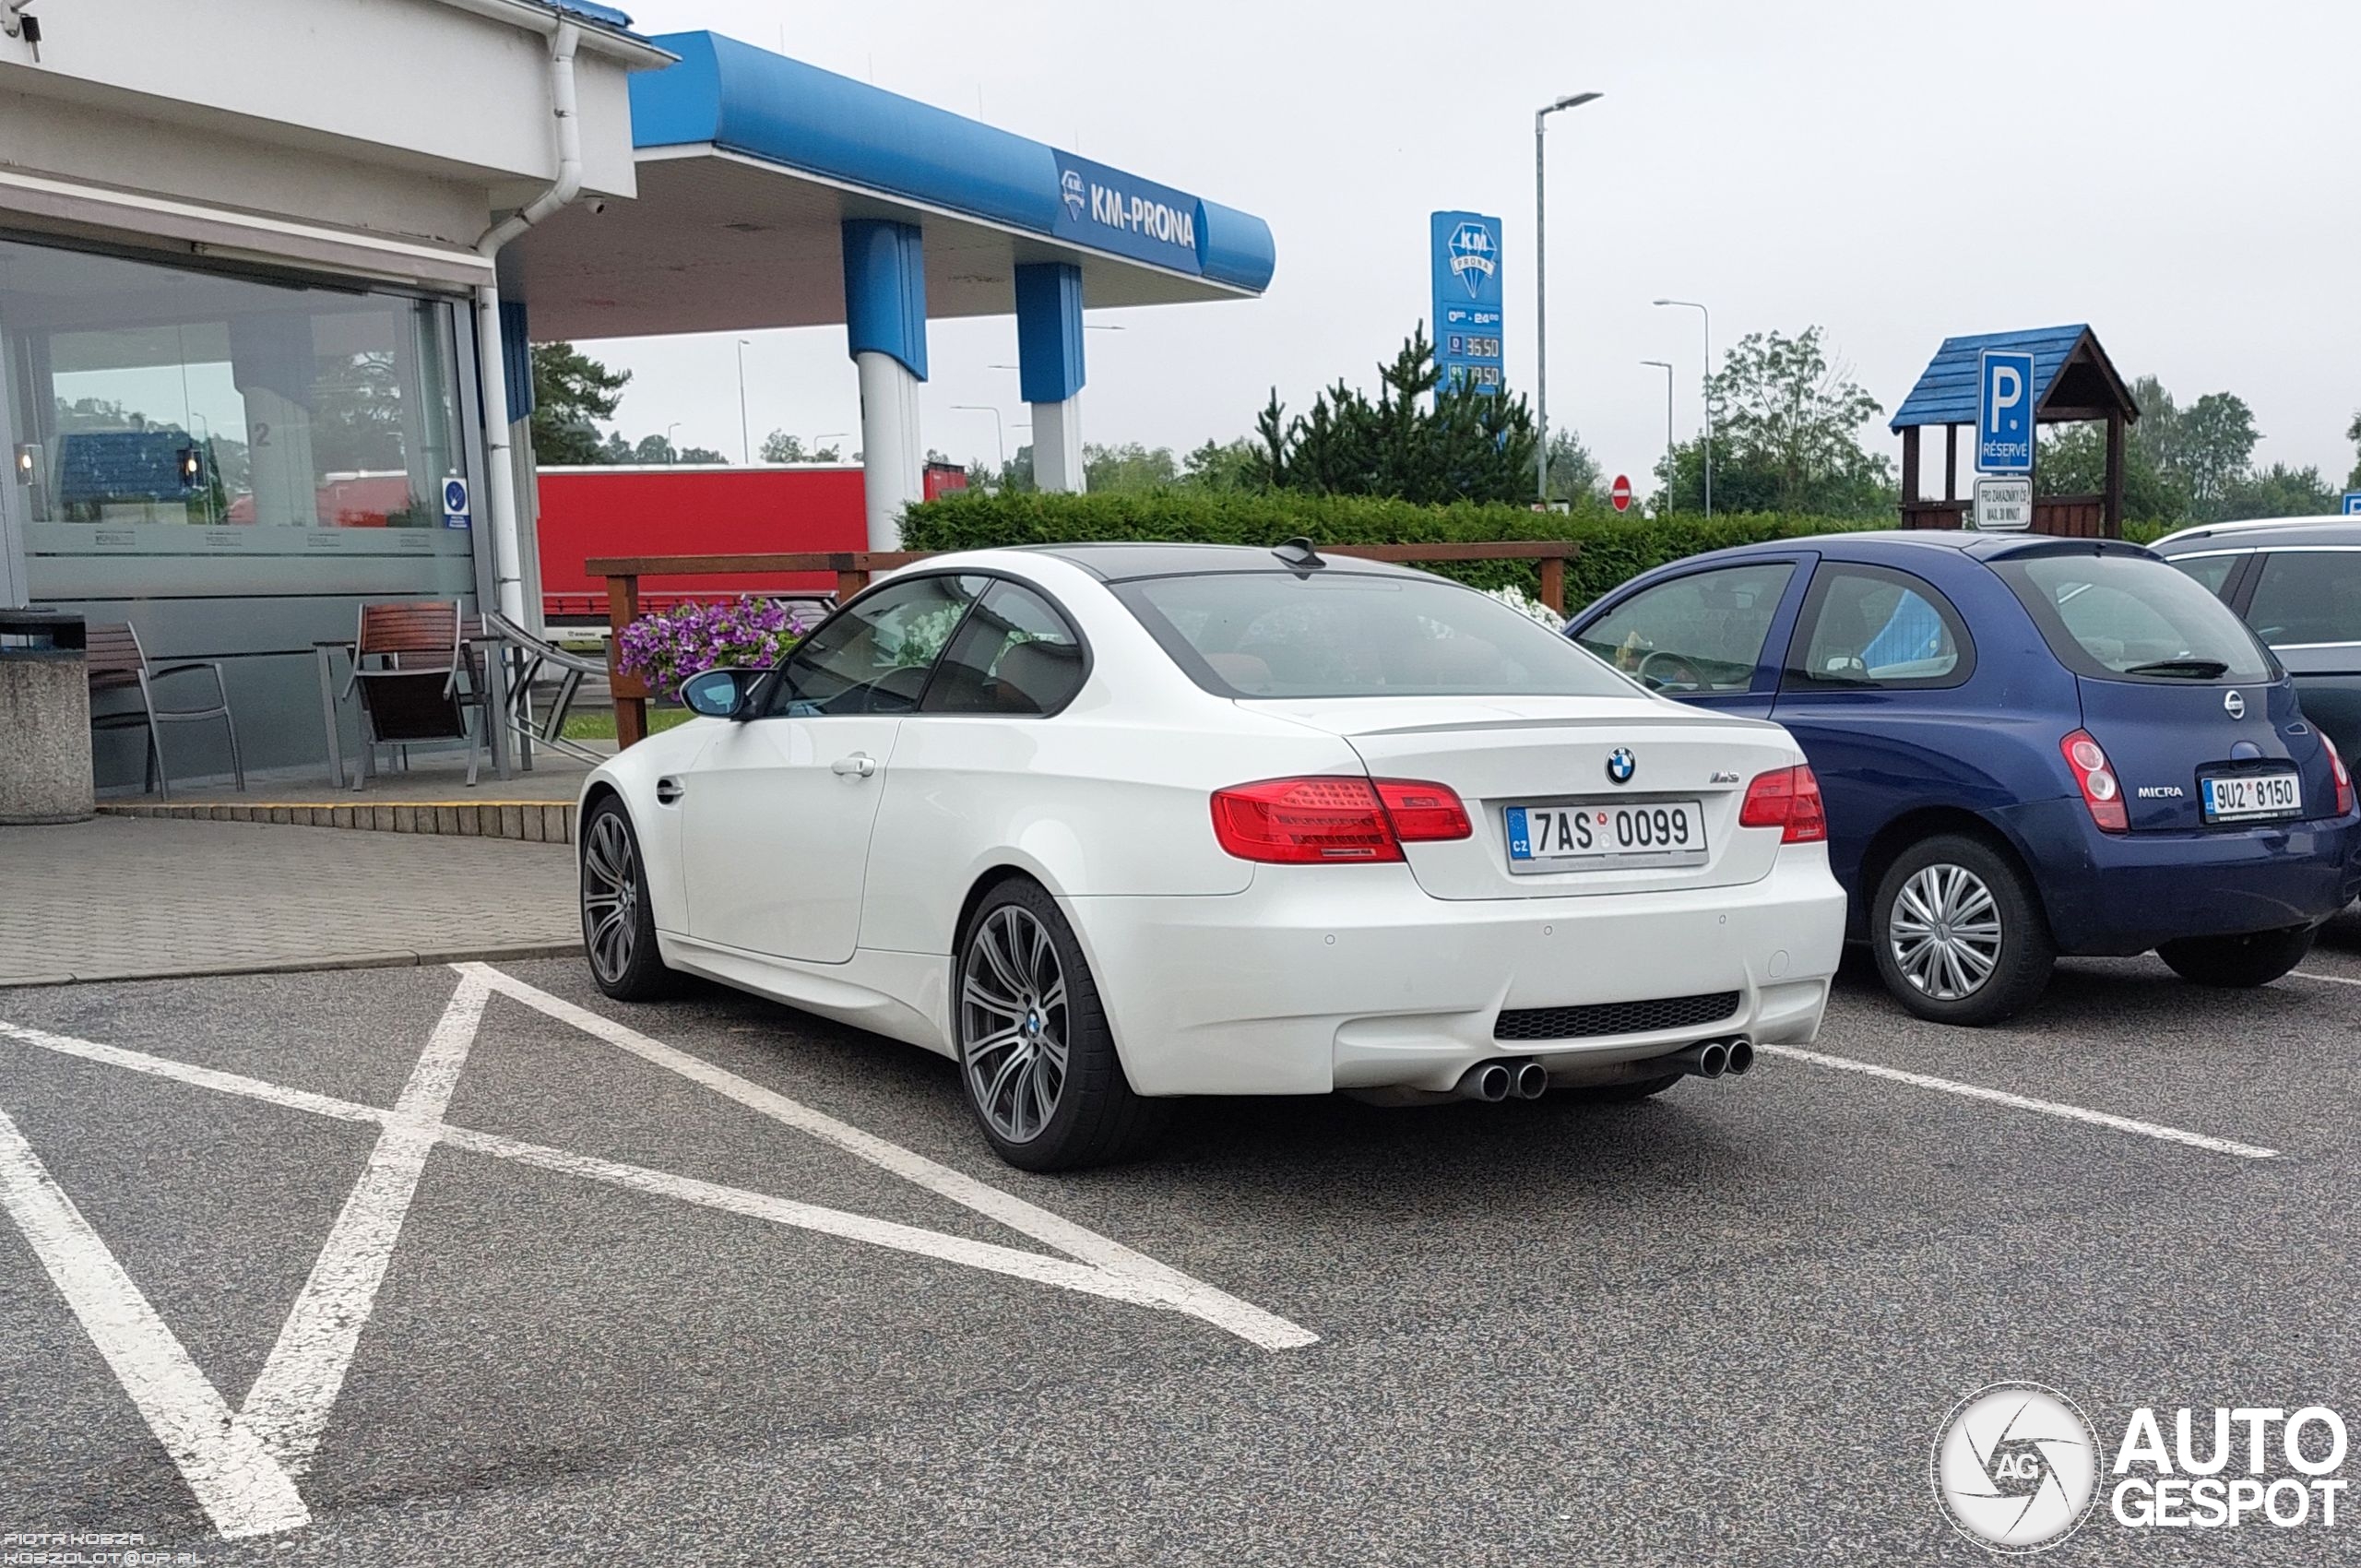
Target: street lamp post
{"type": "Point", "coordinates": [1708, 317]}
{"type": "Point", "coordinates": [1541, 288]}
{"type": "Point", "coordinates": [745, 438]}
{"type": "Point", "coordinates": [999, 439]}
{"type": "Point", "coordinates": [671, 453]}
{"type": "Point", "coordinates": [1666, 366]}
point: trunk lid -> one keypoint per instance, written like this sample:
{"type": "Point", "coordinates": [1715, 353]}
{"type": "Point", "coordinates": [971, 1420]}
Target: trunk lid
{"type": "Point", "coordinates": [2164, 737]}
{"type": "Point", "coordinates": [1546, 751]}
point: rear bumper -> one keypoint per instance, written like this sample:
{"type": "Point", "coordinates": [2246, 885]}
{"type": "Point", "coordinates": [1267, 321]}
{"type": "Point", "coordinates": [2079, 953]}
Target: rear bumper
{"type": "Point", "coordinates": [2119, 894]}
{"type": "Point", "coordinates": [1319, 978]}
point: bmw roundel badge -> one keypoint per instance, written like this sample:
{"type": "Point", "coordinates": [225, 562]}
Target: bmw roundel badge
{"type": "Point", "coordinates": [1620, 765]}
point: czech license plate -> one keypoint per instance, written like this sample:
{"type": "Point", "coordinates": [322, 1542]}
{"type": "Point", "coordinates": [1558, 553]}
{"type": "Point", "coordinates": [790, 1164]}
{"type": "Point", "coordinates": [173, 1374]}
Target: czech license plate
{"type": "Point", "coordinates": [2230, 797]}
{"type": "Point", "coordinates": [1586, 835]}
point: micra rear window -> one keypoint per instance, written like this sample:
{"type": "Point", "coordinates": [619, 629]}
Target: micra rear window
{"type": "Point", "coordinates": [1358, 634]}
{"type": "Point", "coordinates": [2128, 617]}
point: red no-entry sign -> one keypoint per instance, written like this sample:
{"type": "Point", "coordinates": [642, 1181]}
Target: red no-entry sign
{"type": "Point", "coordinates": [1621, 493]}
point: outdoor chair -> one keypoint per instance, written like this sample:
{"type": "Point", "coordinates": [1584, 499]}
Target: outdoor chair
{"type": "Point", "coordinates": [118, 663]}
{"type": "Point", "coordinates": [418, 680]}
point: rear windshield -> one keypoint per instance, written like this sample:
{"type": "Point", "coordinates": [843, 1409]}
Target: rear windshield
{"type": "Point", "coordinates": [2129, 616]}
{"type": "Point", "coordinates": [1358, 634]}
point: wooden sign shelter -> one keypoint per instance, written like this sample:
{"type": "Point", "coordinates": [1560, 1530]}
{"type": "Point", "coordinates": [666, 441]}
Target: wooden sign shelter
{"type": "Point", "coordinates": [2073, 381]}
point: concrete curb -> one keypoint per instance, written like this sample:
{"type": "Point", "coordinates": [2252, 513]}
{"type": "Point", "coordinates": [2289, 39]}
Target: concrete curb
{"type": "Point", "coordinates": [394, 958]}
{"type": "Point", "coordinates": [535, 822]}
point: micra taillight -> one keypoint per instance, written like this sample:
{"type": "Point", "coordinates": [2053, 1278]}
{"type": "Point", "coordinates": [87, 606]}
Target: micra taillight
{"type": "Point", "coordinates": [2344, 780]}
{"type": "Point", "coordinates": [2087, 761]}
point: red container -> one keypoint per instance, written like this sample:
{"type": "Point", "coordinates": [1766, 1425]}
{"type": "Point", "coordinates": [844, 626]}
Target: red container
{"type": "Point", "coordinates": [667, 510]}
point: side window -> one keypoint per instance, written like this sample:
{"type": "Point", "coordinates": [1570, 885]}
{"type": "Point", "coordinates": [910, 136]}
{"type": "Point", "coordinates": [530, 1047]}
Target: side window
{"type": "Point", "coordinates": [2308, 595]}
{"type": "Point", "coordinates": [1868, 626]}
{"type": "Point", "coordinates": [1014, 656]}
{"type": "Point", "coordinates": [875, 657]}
{"type": "Point", "coordinates": [1701, 632]}
{"type": "Point", "coordinates": [2212, 572]}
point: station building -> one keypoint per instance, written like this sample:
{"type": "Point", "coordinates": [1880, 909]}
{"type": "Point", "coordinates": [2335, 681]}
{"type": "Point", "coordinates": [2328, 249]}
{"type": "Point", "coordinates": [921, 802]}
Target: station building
{"type": "Point", "coordinates": [263, 332]}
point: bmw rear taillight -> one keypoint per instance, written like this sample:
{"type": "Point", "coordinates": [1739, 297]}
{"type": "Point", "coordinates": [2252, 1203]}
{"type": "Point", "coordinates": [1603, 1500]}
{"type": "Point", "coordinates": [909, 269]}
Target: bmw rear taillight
{"type": "Point", "coordinates": [1786, 799]}
{"type": "Point", "coordinates": [2343, 783]}
{"type": "Point", "coordinates": [1424, 812]}
{"type": "Point", "coordinates": [1327, 821]}
{"type": "Point", "coordinates": [2101, 792]}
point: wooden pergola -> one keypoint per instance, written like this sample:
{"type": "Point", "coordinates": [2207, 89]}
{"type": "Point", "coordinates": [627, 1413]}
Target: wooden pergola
{"type": "Point", "coordinates": [2073, 381]}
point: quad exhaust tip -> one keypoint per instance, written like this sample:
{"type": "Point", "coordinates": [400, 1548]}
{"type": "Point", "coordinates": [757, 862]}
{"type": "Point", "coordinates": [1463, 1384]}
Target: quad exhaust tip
{"type": "Point", "coordinates": [1493, 1082]}
{"type": "Point", "coordinates": [1716, 1059]}
{"type": "Point", "coordinates": [1487, 1081]}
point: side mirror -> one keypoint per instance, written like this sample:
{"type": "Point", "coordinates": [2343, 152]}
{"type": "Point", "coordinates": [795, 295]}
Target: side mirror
{"type": "Point", "coordinates": [718, 694]}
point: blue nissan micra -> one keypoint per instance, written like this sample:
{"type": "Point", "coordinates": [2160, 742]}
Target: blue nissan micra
{"type": "Point", "coordinates": [2028, 746]}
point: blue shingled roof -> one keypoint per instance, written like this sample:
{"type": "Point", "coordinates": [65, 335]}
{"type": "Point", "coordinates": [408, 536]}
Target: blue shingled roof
{"type": "Point", "coordinates": [1946, 388]}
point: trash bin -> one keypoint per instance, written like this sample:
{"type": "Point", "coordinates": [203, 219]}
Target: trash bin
{"type": "Point", "coordinates": [44, 719]}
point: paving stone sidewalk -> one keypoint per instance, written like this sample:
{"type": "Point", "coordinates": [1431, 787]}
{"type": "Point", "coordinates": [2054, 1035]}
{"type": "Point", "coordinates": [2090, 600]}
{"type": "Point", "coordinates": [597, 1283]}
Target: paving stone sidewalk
{"type": "Point", "coordinates": [123, 898]}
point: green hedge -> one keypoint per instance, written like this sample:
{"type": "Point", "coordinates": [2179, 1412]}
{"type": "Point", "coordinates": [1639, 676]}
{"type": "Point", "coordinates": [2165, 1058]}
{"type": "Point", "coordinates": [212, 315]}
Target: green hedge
{"type": "Point", "coordinates": [1614, 549]}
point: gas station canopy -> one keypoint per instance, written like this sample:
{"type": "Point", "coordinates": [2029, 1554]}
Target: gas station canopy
{"type": "Point", "coordinates": [749, 163]}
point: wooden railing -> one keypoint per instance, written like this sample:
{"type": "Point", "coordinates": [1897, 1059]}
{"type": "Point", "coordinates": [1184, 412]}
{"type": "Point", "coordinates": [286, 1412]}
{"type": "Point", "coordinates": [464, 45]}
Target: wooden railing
{"type": "Point", "coordinates": [853, 569]}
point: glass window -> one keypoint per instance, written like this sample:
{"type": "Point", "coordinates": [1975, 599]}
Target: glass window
{"type": "Point", "coordinates": [2106, 615]}
{"type": "Point", "coordinates": [1013, 656]}
{"type": "Point", "coordinates": [876, 655]}
{"type": "Point", "coordinates": [2212, 572]}
{"type": "Point", "coordinates": [141, 393]}
{"type": "Point", "coordinates": [1701, 632]}
{"type": "Point", "coordinates": [2308, 595]}
{"type": "Point", "coordinates": [1869, 626]}
{"type": "Point", "coordinates": [1345, 633]}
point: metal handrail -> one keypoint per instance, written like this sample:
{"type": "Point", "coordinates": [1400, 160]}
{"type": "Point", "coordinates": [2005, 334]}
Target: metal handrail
{"type": "Point", "coordinates": [535, 655]}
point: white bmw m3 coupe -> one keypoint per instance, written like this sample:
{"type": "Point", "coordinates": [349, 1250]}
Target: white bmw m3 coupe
{"type": "Point", "coordinates": [1108, 823]}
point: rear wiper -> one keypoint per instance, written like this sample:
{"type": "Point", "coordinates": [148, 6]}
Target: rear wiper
{"type": "Point", "coordinates": [2202, 669]}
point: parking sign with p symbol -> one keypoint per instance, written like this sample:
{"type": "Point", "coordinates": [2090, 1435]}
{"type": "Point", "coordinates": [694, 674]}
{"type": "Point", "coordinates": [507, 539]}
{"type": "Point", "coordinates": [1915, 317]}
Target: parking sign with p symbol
{"type": "Point", "coordinates": [2004, 412]}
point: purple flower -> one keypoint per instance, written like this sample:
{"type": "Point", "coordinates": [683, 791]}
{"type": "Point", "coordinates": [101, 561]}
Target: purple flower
{"type": "Point", "coordinates": [665, 650]}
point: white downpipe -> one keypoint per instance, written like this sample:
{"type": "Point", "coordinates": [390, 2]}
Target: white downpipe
{"type": "Point", "coordinates": [499, 487]}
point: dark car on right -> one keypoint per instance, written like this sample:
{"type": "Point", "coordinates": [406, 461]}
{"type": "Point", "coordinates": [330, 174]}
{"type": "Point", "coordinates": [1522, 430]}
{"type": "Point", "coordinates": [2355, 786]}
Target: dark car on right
{"type": "Point", "coordinates": [2297, 582]}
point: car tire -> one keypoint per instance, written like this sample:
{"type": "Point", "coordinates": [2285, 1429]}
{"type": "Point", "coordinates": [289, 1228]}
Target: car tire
{"type": "Point", "coordinates": [1986, 953]}
{"type": "Point", "coordinates": [1037, 1060]}
{"type": "Point", "coordinates": [2239, 962]}
{"type": "Point", "coordinates": [618, 922]}
{"type": "Point", "coordinates": [1618, 1094]}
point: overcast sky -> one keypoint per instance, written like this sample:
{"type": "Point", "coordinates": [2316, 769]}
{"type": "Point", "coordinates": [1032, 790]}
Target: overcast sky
{"type": "Point", "coordinates": [2180, 175]}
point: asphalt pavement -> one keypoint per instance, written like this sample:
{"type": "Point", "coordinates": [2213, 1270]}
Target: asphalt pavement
{"type": "Point", "coordinates": [484, 1278]}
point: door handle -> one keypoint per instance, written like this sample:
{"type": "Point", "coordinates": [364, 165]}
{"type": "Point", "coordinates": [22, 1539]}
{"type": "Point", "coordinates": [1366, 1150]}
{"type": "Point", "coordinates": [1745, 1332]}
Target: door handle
{"type": "Point", "coordinates": [861, 765]}
{"type": "Point", "coordinates": [668, 791]}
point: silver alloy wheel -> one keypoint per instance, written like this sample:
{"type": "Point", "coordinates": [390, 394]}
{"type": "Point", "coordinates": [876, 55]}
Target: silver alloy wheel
{"type": "Point", "coordinates": [1013, 1021]}
{"type": "Point", "coordinates": [609, 897]}
{"type": "Point", "coordinates": [1945, 932]}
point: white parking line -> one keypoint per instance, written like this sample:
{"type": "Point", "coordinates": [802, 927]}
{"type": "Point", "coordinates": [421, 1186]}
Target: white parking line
{"type": "Point", "coordinates": [288, 1407]}
{"type": "Point", "coordinates": [2314, 974]}
{"type": "Point", "coordinates": [1170, 1285]}
{"type": "Point", "coordinates": [239, 1486]}
{"type": "Point", "coordinates": [2022, 1102]}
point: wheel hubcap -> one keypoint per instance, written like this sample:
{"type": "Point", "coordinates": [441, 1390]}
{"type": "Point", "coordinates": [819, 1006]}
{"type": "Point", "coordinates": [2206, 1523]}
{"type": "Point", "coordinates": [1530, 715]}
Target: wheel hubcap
{"type": "Point", "coordinates": [1945, 933]}
{"type": "Point", "coordinates": [1013, 1022]}
{"type": "Point", "coordinates": [610, 897]}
